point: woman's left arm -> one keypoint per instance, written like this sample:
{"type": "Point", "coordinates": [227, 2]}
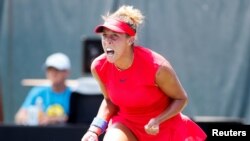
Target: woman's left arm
{"type": "Point", "coordinates": [168, 82]}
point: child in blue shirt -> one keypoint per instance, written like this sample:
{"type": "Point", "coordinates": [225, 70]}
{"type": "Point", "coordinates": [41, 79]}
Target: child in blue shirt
{"type": "Point", "coordinates": [54, 100]}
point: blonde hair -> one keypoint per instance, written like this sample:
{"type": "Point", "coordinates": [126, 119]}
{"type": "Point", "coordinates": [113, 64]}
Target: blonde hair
{"type": "Point", "coordinates": [127, 14]}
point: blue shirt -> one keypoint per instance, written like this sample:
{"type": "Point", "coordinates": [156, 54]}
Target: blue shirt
{"type": "Point", "coordinates": [49, 98]}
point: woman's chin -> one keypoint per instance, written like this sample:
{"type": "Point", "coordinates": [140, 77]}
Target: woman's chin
{"type": "Point", "coordinates": [110, 58]}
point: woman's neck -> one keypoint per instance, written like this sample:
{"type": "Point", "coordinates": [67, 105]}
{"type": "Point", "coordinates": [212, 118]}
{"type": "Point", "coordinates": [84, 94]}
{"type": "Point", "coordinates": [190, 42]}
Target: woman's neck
{"type": "Point", "coordinates": [126, 62]}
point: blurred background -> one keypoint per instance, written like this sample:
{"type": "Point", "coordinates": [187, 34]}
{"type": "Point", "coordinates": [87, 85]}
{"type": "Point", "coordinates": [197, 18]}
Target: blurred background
{"type": "Point", "coordinates": [207, 42]}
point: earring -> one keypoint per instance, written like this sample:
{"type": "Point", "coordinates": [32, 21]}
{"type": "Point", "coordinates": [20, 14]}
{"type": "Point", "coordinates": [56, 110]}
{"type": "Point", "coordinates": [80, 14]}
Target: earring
{"type": "Point", "coordinates": [130, 42]}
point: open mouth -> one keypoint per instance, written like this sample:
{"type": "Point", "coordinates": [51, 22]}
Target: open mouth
{"type": "Point", "coordinates": [110, 51]}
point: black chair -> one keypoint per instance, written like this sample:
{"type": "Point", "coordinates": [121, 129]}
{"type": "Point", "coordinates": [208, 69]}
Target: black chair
{"type": "Point", "coordinates": [84, 107]}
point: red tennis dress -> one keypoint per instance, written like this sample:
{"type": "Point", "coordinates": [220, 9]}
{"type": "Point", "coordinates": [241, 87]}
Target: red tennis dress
{"type": "Point", "coordinates": [134, 91]}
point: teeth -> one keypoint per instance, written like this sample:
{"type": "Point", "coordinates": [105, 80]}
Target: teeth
{"type": "Point", "coordinates": [109, 49]}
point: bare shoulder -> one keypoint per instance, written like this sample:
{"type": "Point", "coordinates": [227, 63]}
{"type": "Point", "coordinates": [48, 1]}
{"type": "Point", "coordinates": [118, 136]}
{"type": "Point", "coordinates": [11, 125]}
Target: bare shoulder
{"type": "Point", "coordinates": [165, 70]}
{"type": "Point", "coordinates": [167, 80]}
{"type": "Point", "coordinates": [97, 61]}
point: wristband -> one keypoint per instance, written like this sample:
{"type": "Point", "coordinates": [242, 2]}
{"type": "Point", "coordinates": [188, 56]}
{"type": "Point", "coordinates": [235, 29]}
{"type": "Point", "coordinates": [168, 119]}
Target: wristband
{"type": "Point", "coordinates": [100, 123]}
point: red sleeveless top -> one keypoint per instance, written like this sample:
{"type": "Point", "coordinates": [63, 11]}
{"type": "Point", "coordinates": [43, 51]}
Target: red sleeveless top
{"type": "Point", "coordinates": [135, 93]}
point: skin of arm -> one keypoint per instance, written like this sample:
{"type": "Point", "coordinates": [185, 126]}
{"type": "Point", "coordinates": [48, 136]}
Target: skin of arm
{"type": "Point", "coordinates": [21, 118]}
{"type": "Point", "coordinates": [107, 108]}
{"type": "Point", "coordinates": [167, 80]}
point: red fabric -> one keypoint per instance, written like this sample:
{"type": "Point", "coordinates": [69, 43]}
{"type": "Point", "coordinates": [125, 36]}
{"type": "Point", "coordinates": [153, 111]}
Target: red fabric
{"type": "Point", "coordinates": [117, 26]}
{"type": "Point", "coordinates": [139, 99]}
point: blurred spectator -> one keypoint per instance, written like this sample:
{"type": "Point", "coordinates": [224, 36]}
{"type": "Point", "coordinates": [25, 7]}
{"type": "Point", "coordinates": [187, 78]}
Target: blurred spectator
{"type": "Point", "coordinates": [48, 104]}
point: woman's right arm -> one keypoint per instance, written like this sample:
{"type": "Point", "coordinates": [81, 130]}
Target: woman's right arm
{"type": "Point", "coordinates": [106, 110]}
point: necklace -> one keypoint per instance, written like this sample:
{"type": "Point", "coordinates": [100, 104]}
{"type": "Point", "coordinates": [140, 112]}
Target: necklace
{"type": "Point", "coordinates": [122, 73]}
